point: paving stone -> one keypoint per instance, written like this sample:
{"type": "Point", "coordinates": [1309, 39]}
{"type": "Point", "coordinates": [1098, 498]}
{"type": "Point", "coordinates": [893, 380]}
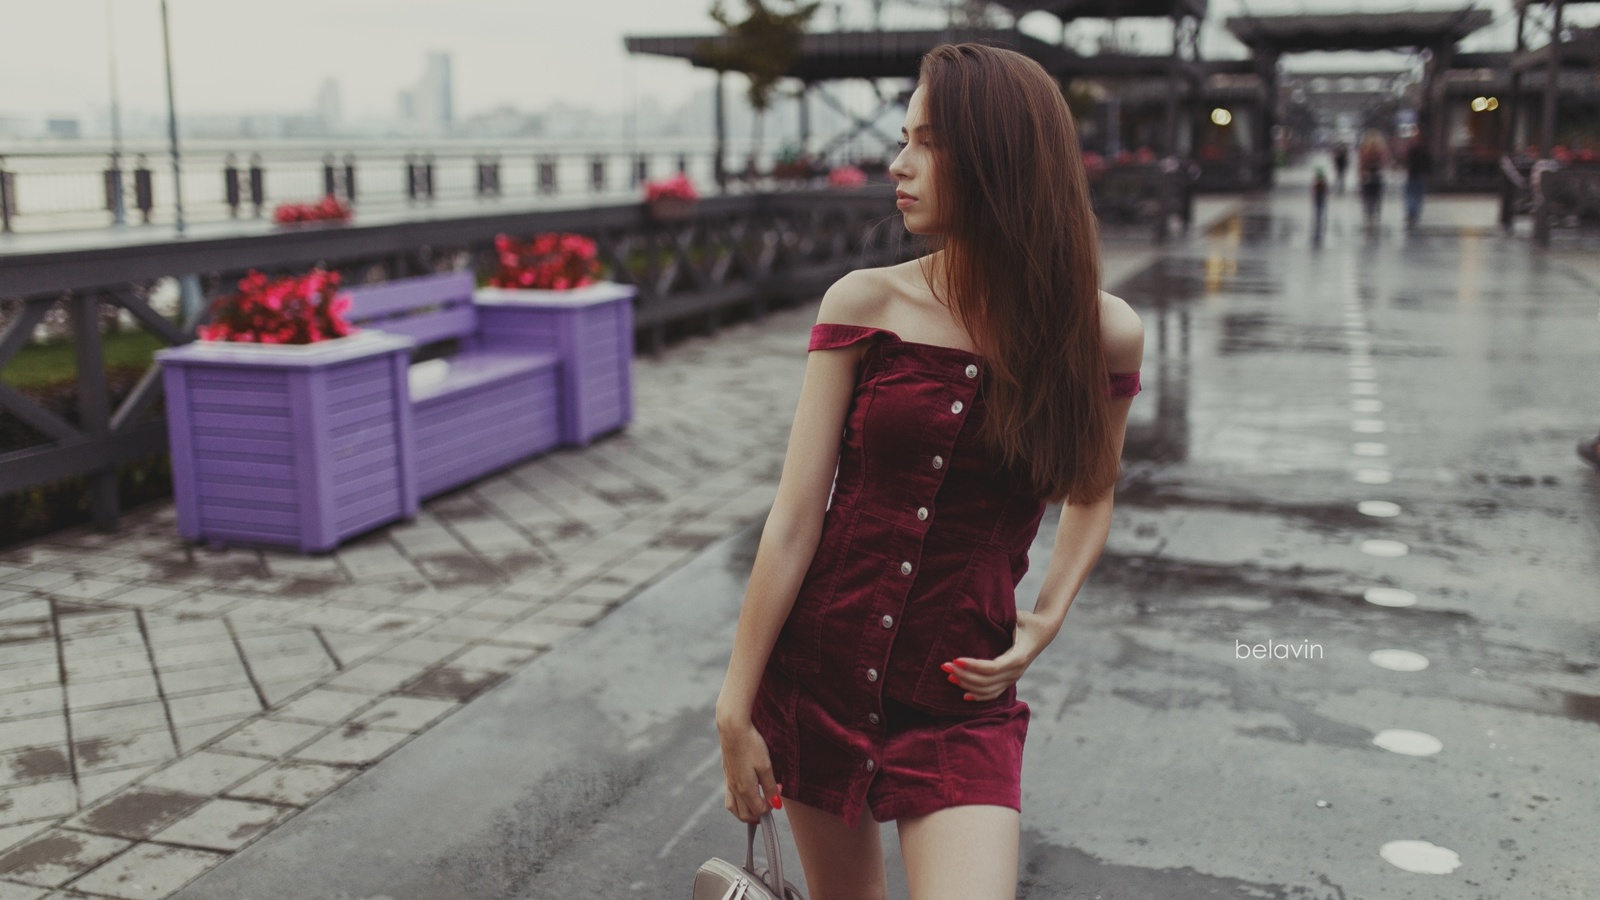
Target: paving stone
{"type": "Point", "coordinates": [96, 754]}
{"type": "Point", "coordinates": [101, 644]}
{"type": "Point", "coordinates": [95, 785]}
{"type": "Point", "coordinates": [269, 737]}
{"type": "Point", "coordinates": [28, 701]}
{"type": "Point", "coordinates": [424, 650]}
{"type": "Point", "coordinates": [224, 824]}
{"type": "Point", "coordinates": [25, 631]}
{"type": "Point", "coordinates": [34, 764]}
{"type": "Point", "coordinates": [495, 658]}
{"type": "Point", "coordinates": [200, 679]}
{"type": "Point", "coordinates": [13, 835]}
{"type": "Point", "coordinates": [228, 703]}
{"type": "Point", "coordinates": [11, 890]}
{"type": "Point", "coordinates": [149, 871]}
{"type": "Point", "coordinates": [569, 613]}
{"type": "Point", "coordinates": [58, 856]}
{"type": "Point", "coordinates": [376, 675]}
{"type": "Point", "coordinates": [166, 630]}
{"type": "Point", "coordinates": [37, 800]}
{"type": "Point", "coordinates": [111, 665]}
{"type": "Point", "coordinates": [123, 719]}
{"type": "Point", "coordinates": [147, 596]}
{"type": "Point", "coordinates": [95, 694]}
{"type": "Point", "coordinates": [405, 713]}
{"type": "Point", "coordinates": [293, 782]}
{"type": "Point", "coordinates": [86, 588]}
{"type": "Point", "coordinates": [203, 653]}
{"type": "Point", "coordinates": [351, 744]}
{"type": "Point", "coordinates": [280, 691]}
{"type": "Point", "coordinates": [536, 634]}
{"type": "Point", "coordinates": [137, 812]}
{"type": "Point", "coordinates": [193, 737]}
{"type": "Point", "coordinates": [35, 731]}
{"type": "Point", "coordinates": [325, 706]}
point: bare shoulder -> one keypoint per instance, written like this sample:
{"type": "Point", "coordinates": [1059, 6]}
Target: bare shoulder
{"type": "Point", "coordinates": [1122, 332]}
{"type": "Point", "coordinates": [857, 298]}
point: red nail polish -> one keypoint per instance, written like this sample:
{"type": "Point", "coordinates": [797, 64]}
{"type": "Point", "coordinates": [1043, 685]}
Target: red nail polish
{"type": "Point", "coordinates": [961, 664]}
{"type": "Point", "coordinates": [966, 696]}
{"type": "Point", "coordinates": [777, 802]}
{"type": "Point", "coordinates": [947, 667]}
{"type": "Point", "coordinates": [954, 680]}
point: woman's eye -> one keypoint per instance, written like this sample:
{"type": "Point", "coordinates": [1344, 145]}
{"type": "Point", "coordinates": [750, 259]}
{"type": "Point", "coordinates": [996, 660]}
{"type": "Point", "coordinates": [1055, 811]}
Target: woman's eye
{"type": "Point", "coordinates": [900, 144]}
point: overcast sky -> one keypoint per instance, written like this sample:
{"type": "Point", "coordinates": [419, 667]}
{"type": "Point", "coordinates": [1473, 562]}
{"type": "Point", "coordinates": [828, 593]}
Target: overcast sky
{"type": "Point", "coordinates": [271, 55]}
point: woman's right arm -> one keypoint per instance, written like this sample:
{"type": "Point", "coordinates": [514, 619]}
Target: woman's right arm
{"type": "Point", "coordinates": [788, 542]}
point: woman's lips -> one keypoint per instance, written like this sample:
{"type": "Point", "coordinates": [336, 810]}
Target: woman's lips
{"type": "Point", "coordinates": [903, 200]}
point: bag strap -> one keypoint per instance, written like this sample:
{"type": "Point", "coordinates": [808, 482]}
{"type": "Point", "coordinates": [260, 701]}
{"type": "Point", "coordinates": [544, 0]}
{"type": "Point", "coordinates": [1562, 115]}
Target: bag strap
{"type": "Point", "coordinates": [769, 834]}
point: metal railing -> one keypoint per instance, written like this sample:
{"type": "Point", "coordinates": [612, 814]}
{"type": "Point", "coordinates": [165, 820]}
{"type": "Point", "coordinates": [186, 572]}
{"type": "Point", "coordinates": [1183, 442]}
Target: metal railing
{"type": "Point", "coordinates": [737, 252]}
{"type": "Point", "coordinates": [62, 190]}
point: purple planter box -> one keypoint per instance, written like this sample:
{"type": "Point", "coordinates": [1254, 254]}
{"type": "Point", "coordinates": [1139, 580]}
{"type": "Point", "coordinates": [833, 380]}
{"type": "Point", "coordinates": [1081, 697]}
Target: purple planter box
{"type": "Point", "coordinates": [289, 446]}
{"type": "Point", "coordinates": [590, 329]}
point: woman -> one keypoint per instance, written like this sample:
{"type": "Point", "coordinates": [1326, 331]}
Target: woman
{"type": "Point", "coordinates": [873, 673]}
{"type": "Point", "coordinates": [1373, 160]}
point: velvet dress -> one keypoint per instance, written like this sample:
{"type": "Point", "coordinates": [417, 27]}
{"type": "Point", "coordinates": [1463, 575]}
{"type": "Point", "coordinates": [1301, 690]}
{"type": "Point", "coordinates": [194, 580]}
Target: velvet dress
{"type": "Point", "coordinates": [923, 544]}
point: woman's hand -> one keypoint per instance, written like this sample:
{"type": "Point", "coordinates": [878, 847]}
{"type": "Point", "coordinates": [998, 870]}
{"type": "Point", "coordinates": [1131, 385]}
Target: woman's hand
{"type": "Point", "coordinates": [986, 679]}
{"type": "Point", "coordinates": [747, 770]}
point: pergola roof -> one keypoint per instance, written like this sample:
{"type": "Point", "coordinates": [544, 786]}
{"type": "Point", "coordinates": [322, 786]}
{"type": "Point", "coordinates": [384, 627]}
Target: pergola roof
{"type": "Point", "coordinates": [1067, 10]}
{"type": "Point", "coordinates": [1362, 31]}
{"type": "Point", "coordinates": [826, 56]}
{"type": "Point", "coordinates": [832, 55]}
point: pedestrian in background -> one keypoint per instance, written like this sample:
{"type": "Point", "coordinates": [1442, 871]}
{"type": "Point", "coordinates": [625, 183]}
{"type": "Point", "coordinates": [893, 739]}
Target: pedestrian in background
{"type": "Point", "coordinates": [1374, 158]}
{"type": "Point", "coordinates": [875, 665]}
{"type": "Point", "coordinates": [1319, 203]}
{"type": "Point", "coordinates": [1419, 168]}
{"type": "Point", "coordinates": [1341, 163]}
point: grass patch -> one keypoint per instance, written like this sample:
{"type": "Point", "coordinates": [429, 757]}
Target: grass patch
{"type": "Point", "coordinates": [37, 365]}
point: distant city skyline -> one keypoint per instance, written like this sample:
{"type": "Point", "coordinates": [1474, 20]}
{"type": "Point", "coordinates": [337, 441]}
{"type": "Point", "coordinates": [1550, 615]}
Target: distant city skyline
{"type": "Point", "coordinates": [242, 59]}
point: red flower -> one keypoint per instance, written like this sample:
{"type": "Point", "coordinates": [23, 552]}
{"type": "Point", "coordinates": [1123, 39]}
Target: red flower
{"type": "Point", "coordinates": [290, 310]}
{"type": "Point", "coordinates": [549, 261]}
{"type": "Point", "coordinates": [678, 187]}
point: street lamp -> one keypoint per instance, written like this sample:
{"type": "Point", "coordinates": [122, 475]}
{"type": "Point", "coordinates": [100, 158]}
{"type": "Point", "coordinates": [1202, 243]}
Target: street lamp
{"type": "Point", "coordinates": [1220, 116]}
{"type": "Point", "coordinates": [114, 177]}
{"type": "Point", "coordinates": [172, 124]}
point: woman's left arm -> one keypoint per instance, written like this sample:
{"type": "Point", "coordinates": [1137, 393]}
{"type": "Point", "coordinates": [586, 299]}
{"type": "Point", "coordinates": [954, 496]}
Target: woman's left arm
{"type": "Point", "coordinates": [1080, 538]}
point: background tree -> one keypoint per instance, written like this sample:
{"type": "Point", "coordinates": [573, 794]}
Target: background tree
{"type": "Point", "coordinates": [763, 45]}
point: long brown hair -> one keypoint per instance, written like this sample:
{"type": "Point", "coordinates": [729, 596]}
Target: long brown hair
{"type": "Point", "coordinates": [1022, 264]}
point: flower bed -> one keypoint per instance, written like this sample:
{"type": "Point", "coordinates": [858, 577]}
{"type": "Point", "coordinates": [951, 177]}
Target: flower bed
{"type": "Point", "coordinates": [296, 310]}
{"type": "Point", "coordinates": [550, 261]}
{"type": "Point", "coordinates": [328, 209]}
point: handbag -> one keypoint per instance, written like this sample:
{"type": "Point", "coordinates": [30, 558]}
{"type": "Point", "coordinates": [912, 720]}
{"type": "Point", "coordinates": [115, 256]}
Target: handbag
{"type": "Point", "coordinates": [719, 879]}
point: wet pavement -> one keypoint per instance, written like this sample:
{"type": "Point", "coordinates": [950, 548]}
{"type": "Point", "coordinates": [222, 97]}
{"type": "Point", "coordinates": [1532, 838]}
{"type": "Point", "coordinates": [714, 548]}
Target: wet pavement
{"type": "Point", "coordinates": [1356, 453]}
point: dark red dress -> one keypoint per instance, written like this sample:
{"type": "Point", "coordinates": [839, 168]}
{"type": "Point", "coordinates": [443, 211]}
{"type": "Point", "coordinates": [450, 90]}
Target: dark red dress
{"type": "Point", "coordinates": [923, 544]}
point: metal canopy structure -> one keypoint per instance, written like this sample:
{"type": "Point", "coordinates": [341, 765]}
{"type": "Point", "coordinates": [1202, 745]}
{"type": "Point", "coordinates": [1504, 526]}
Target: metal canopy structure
{"type": "Point", "coordinates": [874, 55]}
{"type": "Point", "coordinates": [830, 56]}
{"type": "Point", "coordinates": [1366, 31]}
{"type": "Point", "coordinates": [841, 55]}
{"type": "Point", "coordinates": [1438, 32]}
{"type": "Point", "coordinates": [1067, 10]}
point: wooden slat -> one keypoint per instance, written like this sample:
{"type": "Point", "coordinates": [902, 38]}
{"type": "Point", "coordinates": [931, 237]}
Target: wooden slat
{"type": "Point", "coordinates": [226, 397]}
{"type": "Point", "coordinates": [385, 477]}
{"type": "Point", "coordinates": [381, 300]}
{"type": "Point", "coordinates": [247, 491]}
{"type": "Point", "coordinates": [243, 468]}
{"type": "Point", "coordinates": [373, 509]}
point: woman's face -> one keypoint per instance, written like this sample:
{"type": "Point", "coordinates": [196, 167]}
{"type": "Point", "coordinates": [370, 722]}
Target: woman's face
{"type": "Point", "coordinates": [912, 169]}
